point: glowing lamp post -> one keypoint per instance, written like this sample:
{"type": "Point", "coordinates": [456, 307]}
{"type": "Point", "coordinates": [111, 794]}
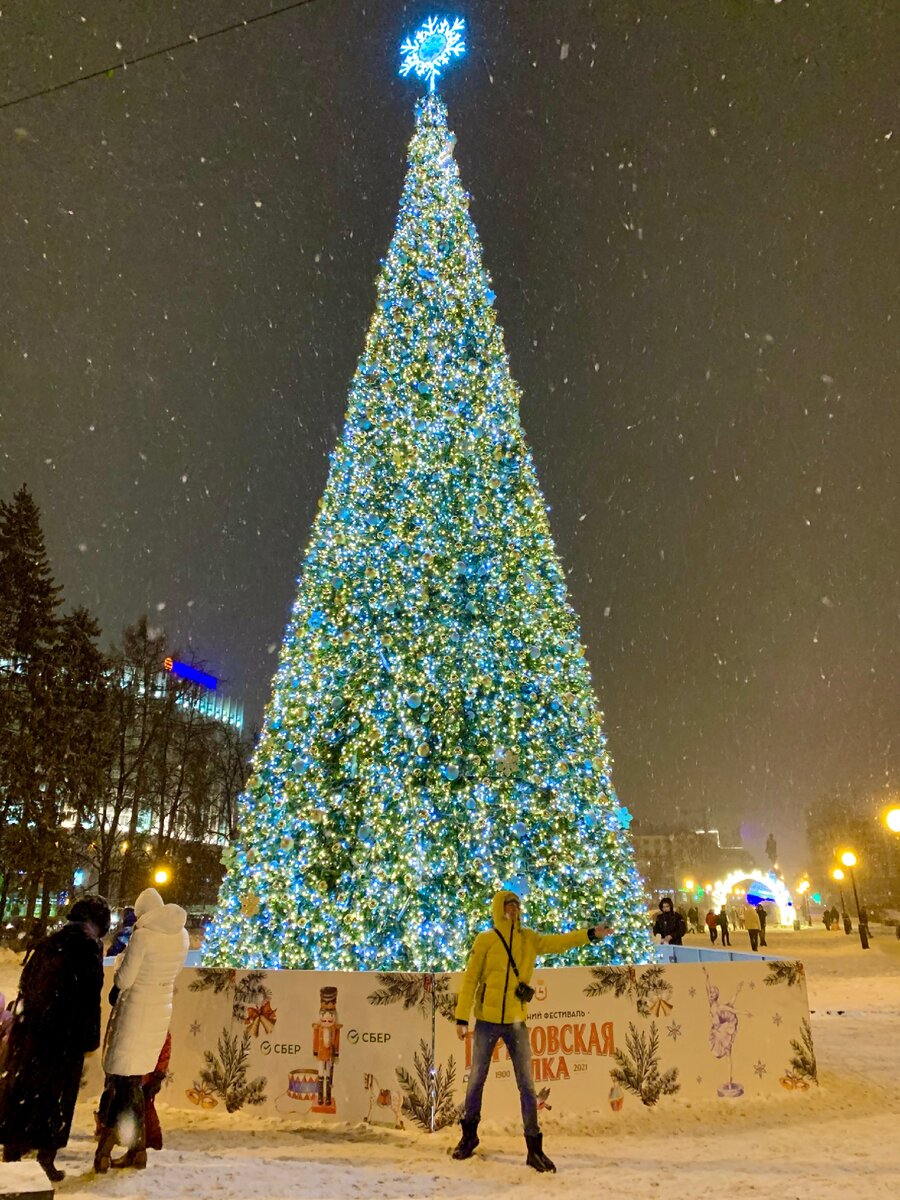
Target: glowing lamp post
{"type": "Point", "coordinates": [161, 876]}
{"type": "Point", "coordinates": [838, 876]}
{"type": "Point", "coordinates": [803, 889]}
{"type": "Point", "coordinates": [848, 858]}
{"type": "Point", "coordinates": [892, 820]}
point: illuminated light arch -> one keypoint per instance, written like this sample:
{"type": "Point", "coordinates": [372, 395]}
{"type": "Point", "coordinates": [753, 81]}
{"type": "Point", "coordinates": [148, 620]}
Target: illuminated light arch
{"type": "Point", "coordinates": [721, 893]}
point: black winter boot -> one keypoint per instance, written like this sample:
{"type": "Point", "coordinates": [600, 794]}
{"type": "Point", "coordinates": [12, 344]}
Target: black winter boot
{"type": "Point", "coordinates": [537, 1159]}
{"type": "Point", "coordinates": [46, 1158]}
{"type": "Point", "coordinates": [468, 1141]}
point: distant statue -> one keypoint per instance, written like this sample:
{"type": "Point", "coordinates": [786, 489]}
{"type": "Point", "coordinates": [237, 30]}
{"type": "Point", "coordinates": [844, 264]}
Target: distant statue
{"type": "Point", "coordinates": [772, 849]}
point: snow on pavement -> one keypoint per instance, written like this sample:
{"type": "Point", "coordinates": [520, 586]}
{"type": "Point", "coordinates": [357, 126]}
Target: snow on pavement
{"type": "Point", "coordinates": [836, 1141]}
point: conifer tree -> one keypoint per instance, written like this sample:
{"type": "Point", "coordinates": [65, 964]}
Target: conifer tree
{"type": "Point", "coordinates": [432, 733]}
{"type": "Point", "coordinates": [28, 595]}
{"type": "Point", "coordinates": [28, 640]}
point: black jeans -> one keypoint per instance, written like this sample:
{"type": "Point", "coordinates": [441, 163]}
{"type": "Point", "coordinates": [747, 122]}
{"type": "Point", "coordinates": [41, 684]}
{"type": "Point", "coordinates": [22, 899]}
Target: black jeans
{"type": "Point", "coordinates": [754, 938]}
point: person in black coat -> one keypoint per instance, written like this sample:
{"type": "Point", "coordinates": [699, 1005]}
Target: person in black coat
{"type": "Point", "coordinates": [722, 920]}
{"type": "Point", "coordinates": [57, 1022]}
{"type": "Point", "coordinates": [669, 925]}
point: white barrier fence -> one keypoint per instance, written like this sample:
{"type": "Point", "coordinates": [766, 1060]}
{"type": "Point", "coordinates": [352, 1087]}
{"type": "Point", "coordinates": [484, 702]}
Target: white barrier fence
{"type": "Point", "coordinates": [364, 1046]}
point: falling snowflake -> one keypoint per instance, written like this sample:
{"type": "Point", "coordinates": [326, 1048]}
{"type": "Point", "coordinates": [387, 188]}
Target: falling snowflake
{"type": "Point", "coordinates": [194, 1027]}
{"type": "Point", "coordinates": [777, 1019]}
{"type": "Point", "coordinates": [760, 1069]}
{"type": "Point", "coordinates": [674, 1031]}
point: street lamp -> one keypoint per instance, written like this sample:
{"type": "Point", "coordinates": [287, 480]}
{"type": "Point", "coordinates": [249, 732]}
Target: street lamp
{"type": "Point", "coordinates": [803, 889]}
{"type": "Point", "coordinates": [162, 875]}
{"type": "Point", "coordinates": [848, 858]}
{"type": "Point", "coordinates": [892, 820]}
{"type": "Point", "coordinates": [838, 875]}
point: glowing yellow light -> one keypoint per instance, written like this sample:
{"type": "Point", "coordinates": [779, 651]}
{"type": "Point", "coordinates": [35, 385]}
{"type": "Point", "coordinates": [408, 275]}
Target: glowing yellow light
{"type": "Point", "coordinates": [892, 820]}
{"type": "Point", "coordinates": [837, 874]}
{"type": "Point", "coordinates": [689, 885]}
{"type": "Point", "coordinates": [848, 858]}
{"type": "Point", "coordinates": [803, 886]}
{"type": "Point", "coordinates": [162, 875]}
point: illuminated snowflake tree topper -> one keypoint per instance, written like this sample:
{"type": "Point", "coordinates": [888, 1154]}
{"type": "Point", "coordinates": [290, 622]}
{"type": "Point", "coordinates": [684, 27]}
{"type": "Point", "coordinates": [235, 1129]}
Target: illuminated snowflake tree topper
{"type": "Point", "coordinates": [432, 48]}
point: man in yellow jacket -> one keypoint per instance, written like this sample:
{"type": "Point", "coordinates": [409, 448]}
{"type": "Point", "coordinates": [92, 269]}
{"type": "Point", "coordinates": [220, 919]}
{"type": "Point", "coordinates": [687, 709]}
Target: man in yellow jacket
{"type": "Point", "coordinates": [497, 977]}
{"type": "Point", "coordinates": [752, 924]}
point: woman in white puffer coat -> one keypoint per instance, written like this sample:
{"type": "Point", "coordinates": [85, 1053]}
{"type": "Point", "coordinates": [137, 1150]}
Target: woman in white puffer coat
{"type": "Point", "coordinates": [144, 982]}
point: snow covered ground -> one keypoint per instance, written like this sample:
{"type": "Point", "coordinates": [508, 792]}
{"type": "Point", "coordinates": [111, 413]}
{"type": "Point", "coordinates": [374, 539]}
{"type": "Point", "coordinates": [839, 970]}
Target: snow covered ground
{"type": "Point", "coordinates": [837, 1142]}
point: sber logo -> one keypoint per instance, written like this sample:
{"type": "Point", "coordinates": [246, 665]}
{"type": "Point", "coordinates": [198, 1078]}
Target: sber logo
{"type": "Point", "coordinates": [367, 1035]}
{"type": "Point", "coordinates": [280, 1047]}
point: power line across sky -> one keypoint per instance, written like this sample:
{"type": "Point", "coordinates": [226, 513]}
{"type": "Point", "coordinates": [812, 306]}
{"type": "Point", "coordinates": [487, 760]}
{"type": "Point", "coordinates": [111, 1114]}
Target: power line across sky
{"type": "Point", "coordinates": [124, 64]}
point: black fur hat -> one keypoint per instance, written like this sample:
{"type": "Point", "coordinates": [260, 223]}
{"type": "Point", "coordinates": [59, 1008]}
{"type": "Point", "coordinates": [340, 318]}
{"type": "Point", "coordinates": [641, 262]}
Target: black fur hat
{"type": "Point", "coordinates": [94, 909]}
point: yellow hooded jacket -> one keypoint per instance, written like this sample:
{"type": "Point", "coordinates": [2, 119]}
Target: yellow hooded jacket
{"type": "Point", "coordinates": [751, 917]}
{"type": "Point", "coordinates": [490, 980]}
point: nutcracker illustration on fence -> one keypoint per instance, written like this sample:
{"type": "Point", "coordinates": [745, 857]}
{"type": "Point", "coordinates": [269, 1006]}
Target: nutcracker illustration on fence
{"type": "Point", "coordinates": [326, 1048]}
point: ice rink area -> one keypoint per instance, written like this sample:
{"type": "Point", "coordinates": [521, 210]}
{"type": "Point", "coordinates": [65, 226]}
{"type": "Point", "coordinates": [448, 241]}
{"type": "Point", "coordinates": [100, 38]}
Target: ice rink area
{"type": "Point", "coordinates": [837, 1142]}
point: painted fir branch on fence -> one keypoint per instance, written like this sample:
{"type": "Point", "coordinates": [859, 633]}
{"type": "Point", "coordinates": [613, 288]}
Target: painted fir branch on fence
{"type": "Point", "coordinates": [415, 990]}
{"type": "Point", "coordinates": [226, 1073]}
{"type": "Point", "coordinates": [789, 972]}
{"type": "Point", "coordinates": [638, 1066]}
{"type": "Point", "coordinates": [647, 987]}
{"type": "Point", "coordinates": [418, 1089]}
{"type": "Point", "coordinates": [245, 991]}
{"type": "Point", "coordinates": [804, 1057]}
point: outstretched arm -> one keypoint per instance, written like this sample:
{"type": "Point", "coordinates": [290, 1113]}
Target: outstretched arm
{"type": "Point", "coordinates": [555, 943]}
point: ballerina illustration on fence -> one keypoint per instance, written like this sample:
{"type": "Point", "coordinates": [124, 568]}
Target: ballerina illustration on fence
{"type": "Point", "coordinates": [723, 1030]}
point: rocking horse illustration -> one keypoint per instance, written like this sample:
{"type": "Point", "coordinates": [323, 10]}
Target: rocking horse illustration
{"type": "Point", "coordinates": [384, 1102]}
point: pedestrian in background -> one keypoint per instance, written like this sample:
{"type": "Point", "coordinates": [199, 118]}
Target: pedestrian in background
{"type": "Point", "coordinates": [669, 925]}
{"type": "Point", "coordinates": [712, 924]}
{"type": "Point", "coordinates": [763, 918]}
{"type": "Point", "coordinates": [751, 924]}
{"type": "Point", "coordinates": [57, 1022]}
{"type": "Point", "coordinates": [723, 926]}
{"type": "Point", "coordinates": [123, 933]}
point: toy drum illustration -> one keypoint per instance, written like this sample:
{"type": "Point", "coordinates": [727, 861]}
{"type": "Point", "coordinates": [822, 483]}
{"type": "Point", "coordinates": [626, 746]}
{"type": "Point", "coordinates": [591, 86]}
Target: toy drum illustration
{"type": "Point", "coordinates": [303, 1084]}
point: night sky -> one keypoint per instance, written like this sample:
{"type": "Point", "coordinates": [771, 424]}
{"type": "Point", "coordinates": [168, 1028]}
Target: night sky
{"type": "Point", "coordinates": [689, 212]}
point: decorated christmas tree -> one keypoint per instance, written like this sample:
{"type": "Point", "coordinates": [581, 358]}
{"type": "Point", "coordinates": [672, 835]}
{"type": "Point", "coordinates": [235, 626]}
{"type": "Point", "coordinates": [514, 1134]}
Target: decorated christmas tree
{"type": "Point", "coordinates": [432, 733]}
